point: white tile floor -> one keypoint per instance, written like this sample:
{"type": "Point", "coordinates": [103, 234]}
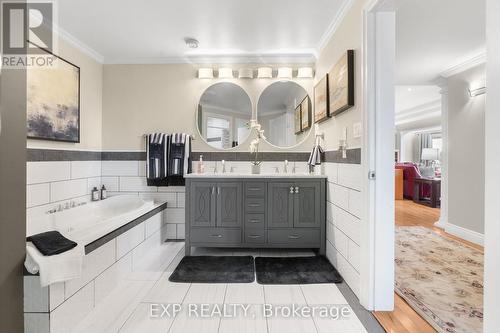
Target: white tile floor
{"type": "Point", "coordinates": [128, 307]}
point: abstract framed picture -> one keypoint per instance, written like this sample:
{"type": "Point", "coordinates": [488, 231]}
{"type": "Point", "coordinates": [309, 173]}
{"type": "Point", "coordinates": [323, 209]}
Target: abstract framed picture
{"type": "Point", "coordinates": [321, 105]}
{"type": "Point", "coordinates": [341, 84]}
{"type": "Point", "coordinates": [298, 120]}
{"type": "Point", "coordinates": [305, 109]}
{"type": "Point", "coordinates": [53, 108]}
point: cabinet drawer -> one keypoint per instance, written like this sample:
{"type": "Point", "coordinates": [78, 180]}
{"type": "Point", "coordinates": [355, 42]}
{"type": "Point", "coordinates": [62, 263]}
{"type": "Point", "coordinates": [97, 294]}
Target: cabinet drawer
{"type": "Point", "coordinates": [294, 236]}
{"type": "Point", "coordinates": [254, 220]}
{"type": "Point", "coordinates": [255, 205]}
{"type": "Point", "coordinates": [215, 235]}
{"type": "Point", "coordinates": [255, 236]}
{"type": "Point", "coordinates": [256, 189]}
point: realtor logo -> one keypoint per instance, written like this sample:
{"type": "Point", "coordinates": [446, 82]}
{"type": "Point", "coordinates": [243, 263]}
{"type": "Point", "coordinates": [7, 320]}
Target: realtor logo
{"type": "Point", "coordinates": [27, 33]}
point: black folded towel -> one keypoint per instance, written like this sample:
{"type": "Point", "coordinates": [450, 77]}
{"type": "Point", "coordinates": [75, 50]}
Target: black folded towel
{"type": "Point", "coordinates": [51, 242]}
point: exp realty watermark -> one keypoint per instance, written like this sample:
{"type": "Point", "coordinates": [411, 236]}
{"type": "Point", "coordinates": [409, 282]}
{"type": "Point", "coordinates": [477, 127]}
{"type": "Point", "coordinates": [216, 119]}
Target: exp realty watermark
{"type": "Point", "coordinates": [335, 312]}
{"type": "Point", "coordinates": [28, 34]}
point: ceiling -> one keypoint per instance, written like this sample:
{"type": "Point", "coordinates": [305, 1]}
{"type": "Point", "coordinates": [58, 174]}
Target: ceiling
{"type": "Point", "coordinates": [409, 97]}
{"type": "Point", "coordinates": [126, 31]}
{"type": "Point", "coordinates": [433, 36]}
{"type": "Point", "coordinates": [417, 107]}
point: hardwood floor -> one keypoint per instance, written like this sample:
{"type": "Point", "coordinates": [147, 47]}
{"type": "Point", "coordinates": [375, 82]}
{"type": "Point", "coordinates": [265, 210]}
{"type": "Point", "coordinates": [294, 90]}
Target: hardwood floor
{"type": "Point", "coordinates": [404, 319]}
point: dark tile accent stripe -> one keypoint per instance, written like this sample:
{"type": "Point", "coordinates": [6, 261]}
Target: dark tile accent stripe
{"type": "Point", "coordinates": [45, 155]}
{"type": "Point", "coordinates": [124, 228]}
{"type": "Point", "coordinates": [365, 317]}
{"type": "Point", "coordinates": [123, 155]}
{"type": "Point", "coordinates": [335, 156]}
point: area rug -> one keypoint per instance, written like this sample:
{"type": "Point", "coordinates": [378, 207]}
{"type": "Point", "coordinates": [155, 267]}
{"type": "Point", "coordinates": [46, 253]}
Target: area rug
{"type": "Point", "coordinates": [214, 269]}
{"type": "Point", "coordinates": [295, 270]}
{"type": "Point", "coordinates": [441, 279]}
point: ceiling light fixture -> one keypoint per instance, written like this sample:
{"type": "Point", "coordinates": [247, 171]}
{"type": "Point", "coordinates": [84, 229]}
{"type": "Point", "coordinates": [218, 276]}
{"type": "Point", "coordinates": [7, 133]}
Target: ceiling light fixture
{"type": "Point", "coordinates": [305, 73]}
{"type": "Point", "coordinates": [191, 42]}
{"type": "Point", "coordinates": [285, 73]}
{"type": "Point", "coordinates": [206, 73]}
{"type": "Point", "coordinates": [226, 73]}
{"type": "Point", "coordinates": [265, 73]}
{"type": "Point", "coordinates": [245, 73]}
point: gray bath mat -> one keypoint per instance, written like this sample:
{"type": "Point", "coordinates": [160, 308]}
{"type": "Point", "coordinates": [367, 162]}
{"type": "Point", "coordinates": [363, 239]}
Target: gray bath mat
{"type": "Point", "coordinates": [295, 270]}
{"type": "Point", "coordinates": [214, 269]}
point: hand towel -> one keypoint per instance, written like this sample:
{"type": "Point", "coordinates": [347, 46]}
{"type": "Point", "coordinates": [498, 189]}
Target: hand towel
{"type": "Point", "coordinates": [51, 242]}
{"type": "Point", "coordinates": [157, 159]}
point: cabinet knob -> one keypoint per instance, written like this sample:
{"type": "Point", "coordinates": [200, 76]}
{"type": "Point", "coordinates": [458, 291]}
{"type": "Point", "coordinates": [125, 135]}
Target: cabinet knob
{"type": "Point", "coordinates": [291, 189]}
{"type": "Point", "coordinates": [297, 189]}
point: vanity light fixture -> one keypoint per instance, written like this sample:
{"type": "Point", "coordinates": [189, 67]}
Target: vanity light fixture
{"type": "Point", "coordinates": [305, 73]}
{"type": "Point", "coordinates": [226, 73]}
{"type": "Point", "coordinates": [206, 73]}
{"type": "Point", "coordinates": [285, 73]}
{"type": "Point", "coordinates": [245, 73]}
{"type": "Point", "coordinates": [265, 73]}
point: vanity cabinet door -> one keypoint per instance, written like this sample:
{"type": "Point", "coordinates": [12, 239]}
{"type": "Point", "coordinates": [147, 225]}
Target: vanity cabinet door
{"type": "Point", "coordinates": [307, 205]}
{"type": "Point", "coordinates": [202, 207]}
{"type": "Point", "coordinates": [229, 204]}
{"type": "Point", "coordinates": [280, 205]}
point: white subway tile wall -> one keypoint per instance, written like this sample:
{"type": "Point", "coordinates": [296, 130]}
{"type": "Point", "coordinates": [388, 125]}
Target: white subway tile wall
{"type": "Point", "coordinates": [344, 204]}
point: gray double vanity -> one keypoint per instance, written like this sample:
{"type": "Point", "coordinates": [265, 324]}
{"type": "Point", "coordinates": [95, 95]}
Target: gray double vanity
{"type": "Point", "coordinates": [255, 211]}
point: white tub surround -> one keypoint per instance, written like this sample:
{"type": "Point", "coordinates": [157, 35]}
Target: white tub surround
{"type": "Point", "coordinates": [123, 239]}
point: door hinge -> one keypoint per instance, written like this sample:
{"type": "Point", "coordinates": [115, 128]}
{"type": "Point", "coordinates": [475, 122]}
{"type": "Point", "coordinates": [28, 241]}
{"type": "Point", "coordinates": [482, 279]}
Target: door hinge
{"type": "Point", "coordinates": [371, 174]}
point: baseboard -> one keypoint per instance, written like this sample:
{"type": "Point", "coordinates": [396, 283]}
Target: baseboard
{"type": "Point", "coordinates": [469, 235]}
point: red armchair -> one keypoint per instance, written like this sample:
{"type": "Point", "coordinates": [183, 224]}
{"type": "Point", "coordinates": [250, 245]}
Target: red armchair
{"type": "Point", "coordinates": [410, 172]}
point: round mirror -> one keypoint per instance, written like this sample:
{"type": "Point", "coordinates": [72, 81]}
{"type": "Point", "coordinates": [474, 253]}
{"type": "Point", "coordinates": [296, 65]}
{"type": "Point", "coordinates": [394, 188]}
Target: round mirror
{"type": "Point", "coordinates": [284, 112]}
{"type": "Point", "coordinates": [224, 111]}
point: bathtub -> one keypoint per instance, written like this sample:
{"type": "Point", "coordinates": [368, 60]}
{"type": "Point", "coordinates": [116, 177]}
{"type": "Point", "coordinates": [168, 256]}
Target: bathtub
{"type": "Point", "coordinates": [84, 224]}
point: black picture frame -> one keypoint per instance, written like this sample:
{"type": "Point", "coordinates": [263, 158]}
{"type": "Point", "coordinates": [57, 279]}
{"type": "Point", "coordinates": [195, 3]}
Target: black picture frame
{"type": "Point", "coordinates": [341, 98]}
{"type": "Point", "coordinates": [78, 139]}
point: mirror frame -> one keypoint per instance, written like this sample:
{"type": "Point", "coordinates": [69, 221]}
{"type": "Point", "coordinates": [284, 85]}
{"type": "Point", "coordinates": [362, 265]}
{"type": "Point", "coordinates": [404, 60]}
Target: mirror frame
{"type": "Point", "coordinates": [197, 116]}
{"type": "Point", "coordinates": [311, 129]}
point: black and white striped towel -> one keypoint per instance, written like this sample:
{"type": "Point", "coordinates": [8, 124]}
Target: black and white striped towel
{"type": "Point", "coordinates": [156, 158]}
{"type": "Point", "coordinates": [180, 148]}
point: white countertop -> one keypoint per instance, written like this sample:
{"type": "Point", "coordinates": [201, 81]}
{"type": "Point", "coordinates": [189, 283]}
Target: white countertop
{"type": "Point", "coordinates": [250, 175]}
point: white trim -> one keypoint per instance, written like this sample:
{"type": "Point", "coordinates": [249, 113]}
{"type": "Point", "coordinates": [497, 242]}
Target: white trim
{"type": "Point", "coordinates": [304, 57]}
{"type": "Point", "coordinates": [75, 42]}
{"type": "Point", "coordinates": [327, 35]}
{"type": "Point", "coordinates": [377, 231]}
{"type": "Point", "coordinates": [464, 65]}
{"type": "Point", "coordinates": [467, 234]}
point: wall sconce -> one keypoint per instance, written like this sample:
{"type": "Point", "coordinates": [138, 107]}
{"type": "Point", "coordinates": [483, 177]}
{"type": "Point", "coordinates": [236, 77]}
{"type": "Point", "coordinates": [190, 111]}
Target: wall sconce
{"type": "Point", "coordinates": [285, 73]}
{"type": "Point", "coordinates": [245, 73]}
{"type": "Point", "coordinates": [205, 73]}
{"type": "Point", "coordinates": [226, 73]}
{"type": "Point", "coordinates": [305, 73]}
{"type": "Point", "coordinates": [477, 88]}
{"type": "Point", "coordinates": [265, 73]}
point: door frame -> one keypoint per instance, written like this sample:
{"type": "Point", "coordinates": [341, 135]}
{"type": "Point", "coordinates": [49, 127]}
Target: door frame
{"type": "Point", "coordinates": [377, 232]}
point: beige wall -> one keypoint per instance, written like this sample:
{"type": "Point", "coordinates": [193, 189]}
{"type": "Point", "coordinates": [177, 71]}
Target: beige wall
{"type": "Point", "coordinates": [141, 99]}
{"type": "Point", "coordinates": [347, 36]}
{"type": "Point", "coordinates": [466, 152]}
{"type": "Point", "coordinates": [90, 101]}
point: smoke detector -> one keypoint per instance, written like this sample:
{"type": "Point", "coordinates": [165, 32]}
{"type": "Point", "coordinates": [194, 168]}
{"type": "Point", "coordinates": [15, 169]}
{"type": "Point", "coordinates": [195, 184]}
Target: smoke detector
{"type": "Point", "coordinates": [191, 42]}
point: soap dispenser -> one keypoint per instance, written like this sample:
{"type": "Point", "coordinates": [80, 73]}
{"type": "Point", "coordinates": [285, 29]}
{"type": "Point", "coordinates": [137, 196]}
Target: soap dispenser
{"type": "Point", "coordinates": [95, 194]}
{"type": "Point", "coordinates": [201, 167]}
{"type": "Point", "coordinates": [104, 192]}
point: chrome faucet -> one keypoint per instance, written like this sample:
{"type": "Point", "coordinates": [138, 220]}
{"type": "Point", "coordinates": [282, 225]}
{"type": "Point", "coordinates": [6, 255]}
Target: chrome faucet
{"type": "Point", "coordinates": [223, 166]}
{"type": "Point", "coordinates": [285, 167]}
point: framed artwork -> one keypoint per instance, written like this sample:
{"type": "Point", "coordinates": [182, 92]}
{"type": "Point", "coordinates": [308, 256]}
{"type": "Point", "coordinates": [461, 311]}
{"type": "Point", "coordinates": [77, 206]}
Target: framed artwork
{"type": "Point", "coordinates": [305, 108]}
{"type": "Point", "coordinates": [53, 108]}
{"type": "Point", "coordinates": [321, 105]}
{"type": "Point", "coordinates": [298, 120]}
{"type": "Point", "coordinates": [341, 84]}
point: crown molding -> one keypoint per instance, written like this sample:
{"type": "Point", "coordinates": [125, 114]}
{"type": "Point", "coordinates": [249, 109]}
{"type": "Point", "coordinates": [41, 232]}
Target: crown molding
{"type": "Point", "coordinates": [332, 28]}
{"type": "Point", "coordinates": [306, 58]}
{"type": "Point", "coordinates": [75, 42]}
{"type": "Point", "coordinates": [419, 113]}
{"type": "Point", "coordinates": [465, 65]}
